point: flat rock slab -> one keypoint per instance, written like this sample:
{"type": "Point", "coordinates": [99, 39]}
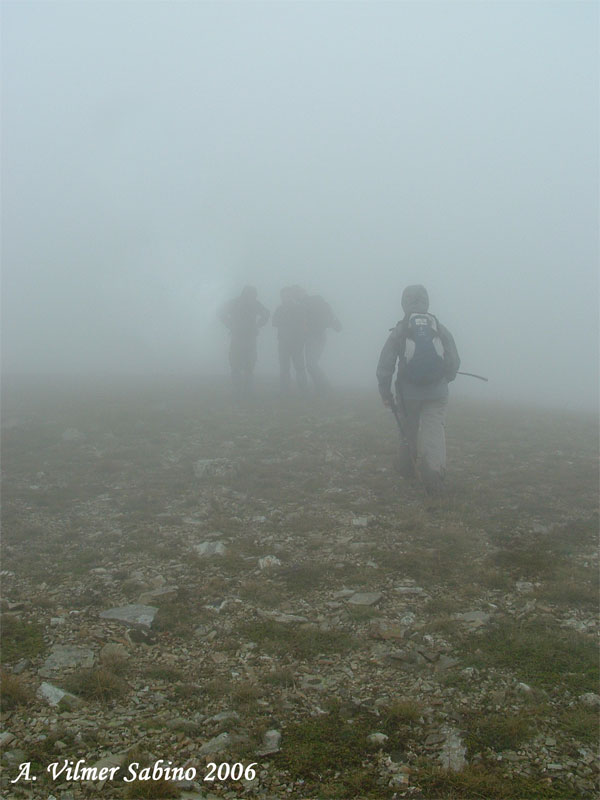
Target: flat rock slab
{"type": "Point", "coordinates": [135, 614]}
{"type": "Point", "coordinates": [55, 696]}
{"type": "Point", "coordinates": [211, 467]}
{"type": "Point", "coordinates": [216, 745]}
{"type": "Point", "coordinates": [409, 589]}
{"type": "Point", "coordinates": [360, 522]}
{"type": "Point", "coordinates": [473, 618]}
{"type": "Point", "coordinates": [388, 632]}
{"type": "Point", "coordinates": [365, 598]}
{"type": "Point", "coordinates": [65, 656]}
{"type": "Point", "coordinates": [452, 754]}
{"type": "Point", "coordinates": [165, 594]}
{"type": "Point", "coordinates": [206, 549]}
{"type": "Point", "coordinates": [284, 619]}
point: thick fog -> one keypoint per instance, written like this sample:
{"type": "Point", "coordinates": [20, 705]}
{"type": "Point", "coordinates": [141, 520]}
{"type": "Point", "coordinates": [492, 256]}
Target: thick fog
{"type": "Point", "coordinates": [157, 157]}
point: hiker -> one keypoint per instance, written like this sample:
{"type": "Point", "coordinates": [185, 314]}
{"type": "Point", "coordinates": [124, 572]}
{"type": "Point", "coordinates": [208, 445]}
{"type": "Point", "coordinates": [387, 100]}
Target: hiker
{"type": "Point", "coordinates": [427, 361]}
{"type": "Point", "coordinates": [318, 318]}
{"type": "Point", "coordinates": [244, 316]}
{"type": "Point", "coordinates": [289, 320]}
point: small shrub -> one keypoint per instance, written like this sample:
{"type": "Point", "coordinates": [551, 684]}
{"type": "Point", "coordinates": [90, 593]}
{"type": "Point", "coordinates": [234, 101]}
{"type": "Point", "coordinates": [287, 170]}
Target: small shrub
{"type": "Point", "coordinates": [496, 732]}
{"type": "Point", "coordinates": [13, 692]}
{"type": "Point", "coordinates": [97, 683]}
{"type": "Point", "coordinates": [20, 639]}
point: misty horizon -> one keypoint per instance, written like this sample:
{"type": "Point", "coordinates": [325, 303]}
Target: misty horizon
{"type": "Point", "coordinates": [158, 157]}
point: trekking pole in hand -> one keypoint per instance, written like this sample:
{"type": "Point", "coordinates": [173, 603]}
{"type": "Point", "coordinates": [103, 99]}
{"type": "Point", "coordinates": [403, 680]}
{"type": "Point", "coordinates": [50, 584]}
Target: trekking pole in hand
{"type": "Point", "coordinates": [403, 434]}
{"type": "Point", "coordinates": [472, 375]}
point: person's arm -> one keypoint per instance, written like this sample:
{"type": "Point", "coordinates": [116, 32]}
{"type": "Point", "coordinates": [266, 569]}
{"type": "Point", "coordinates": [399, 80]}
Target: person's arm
{"type": "Point", "coordinates": [263, 315]}
{"type": "Point", "coordinates": [225, 315]}
{"type": "Point", "coordinates": [386, 368]}
{"type": "Point", "coordinates": [451, 357]}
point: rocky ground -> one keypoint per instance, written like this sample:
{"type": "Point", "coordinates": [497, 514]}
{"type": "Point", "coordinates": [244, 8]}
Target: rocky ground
{"type": "Point", "coordinates": [185, 584]}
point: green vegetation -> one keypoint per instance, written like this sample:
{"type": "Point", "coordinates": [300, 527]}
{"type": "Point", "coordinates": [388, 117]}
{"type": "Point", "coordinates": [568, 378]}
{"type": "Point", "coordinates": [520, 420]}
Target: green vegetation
{"type": "Point", "coordinates": [98, 683]}
{"type": "Point", "coordinates": [14, 692]}
{"type": "Point", "coordinates": [314, 750]}
{"type": "Point", "coordinates": [298, 642]}
{"type": "Point", "coordinates": [495, 731]}
{"type": "Point", "coordinates": [538, 652]}
{"type": "Point", "coordinates": [20, 639]}
{"type": "Point", "coordinates": [488, 783]}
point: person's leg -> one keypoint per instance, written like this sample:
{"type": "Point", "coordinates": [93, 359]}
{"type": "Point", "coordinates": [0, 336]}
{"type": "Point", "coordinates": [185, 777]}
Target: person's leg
{"type": "Point", "coordinates": [432, 443]}
{"type": "Point", "coordinates": [407, 453]}
{"type": "Point", "coordinates": [314, 349]}
{"type": "Point", "coordinates": [248, 369]}
{"type": "Point", "coordinates": [284, 367]}
{"type": "Point", "coordinates": [236, 365]}
{"type": "Point", "coordinates": [297, 357]}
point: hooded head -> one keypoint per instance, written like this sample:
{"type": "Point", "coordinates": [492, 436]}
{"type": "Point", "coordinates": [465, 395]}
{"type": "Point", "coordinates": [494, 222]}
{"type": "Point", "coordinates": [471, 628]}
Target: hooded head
{"type": "Point", "coordinates": [415, 299]}
{"type": "Point", "coordinates": [249, 294]}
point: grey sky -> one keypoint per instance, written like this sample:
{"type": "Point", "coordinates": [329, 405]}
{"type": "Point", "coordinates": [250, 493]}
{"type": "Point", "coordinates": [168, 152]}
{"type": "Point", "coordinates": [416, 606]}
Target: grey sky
{"type": "Point", "coordinates": [157, 156]}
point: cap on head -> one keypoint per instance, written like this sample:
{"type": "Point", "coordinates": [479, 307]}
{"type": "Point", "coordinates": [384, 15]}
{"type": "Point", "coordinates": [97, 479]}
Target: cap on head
{"type": "Point", "coordinates": [415, 299]}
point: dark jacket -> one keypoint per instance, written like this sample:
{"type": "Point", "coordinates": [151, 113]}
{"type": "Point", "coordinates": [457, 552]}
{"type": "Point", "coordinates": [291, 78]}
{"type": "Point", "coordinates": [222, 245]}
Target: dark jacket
{"type": "Point", "coordinates": [414, 299]}
{"type": "Point", "coordinates": [244, 316]}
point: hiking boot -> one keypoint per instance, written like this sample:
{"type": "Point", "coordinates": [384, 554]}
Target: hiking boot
{"type": "Point", "coordinates": [403, 463]}
{"type": "Point", "coordinates": [433, 480]}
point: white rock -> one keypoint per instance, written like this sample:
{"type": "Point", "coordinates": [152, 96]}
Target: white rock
{"type": "Point", "coordinates": [452, 754]}
{"type": "Point", "coordinates": [206, 549]}
{"type": "Point", "coordinates": [269, 561]}
{"type": "Point", "coordinates": [53, 695]}
{"type": "Point", "coordinates": [271, 742]}
{"type": "Point", "coordinates": [216, 745]}
{"type": "Point", "coordinates": [135, 614]}
{"type": "Point", "coordinates": [590, 699]}
{"type": "Point", "coordinates": [62, 656]}
{"type": "Point", "coordinates": [377, 738]}
{"type": "Point", "coordinates": [524, 587]}
{"type": "Point", "coordinates": [365, 598]}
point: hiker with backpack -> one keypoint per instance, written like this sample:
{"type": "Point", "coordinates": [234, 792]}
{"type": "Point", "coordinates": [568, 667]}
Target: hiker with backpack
{"type": "Point", "coordinates": [425, 354]}
{"type": "Point", "coordinates": [318, 317]}
{"type": "Point", "coordinates": [243, 316]}
{"type": "Point", "coordinates": [289, 319]}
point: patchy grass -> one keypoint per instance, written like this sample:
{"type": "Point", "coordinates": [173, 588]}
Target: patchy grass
{"type": "Point", "coordinates": [175, 618]}
{"type": "Point", "coordinates": [401, 712]}
{"type": "Point", "coordinates": [262, 593]}
{"type": "Point", "coordinates": [537, 652]}
{"type": "Point", "coordinates": [98, 683]}
{"type": "Point", "coordinates": [581, 724]}
{"type": "Point", "coordinates": [303, 577]}
{"type": "Point", "coordinates": [315, 749]}
{"type": "Point", "coordinates": [14, 692]}
{"type": "Point", "coordinates": [495, 731]}
{"type": "Point", "coordinates": [301, 643]}
{"type": "Point", "coordinates": [488, 783]}
{"type": "Point", "coordinates": [572, 586]}
{"type": "Point", "coordinates": [162, 672]}
{"type": "Point", "coordinates": [20, 639]}
{"type": "Point", "coordinates": [283, 677]}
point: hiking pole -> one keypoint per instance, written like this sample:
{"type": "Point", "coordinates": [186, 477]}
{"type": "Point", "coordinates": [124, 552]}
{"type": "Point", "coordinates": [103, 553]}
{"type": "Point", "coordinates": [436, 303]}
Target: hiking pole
{"type": "Point", "coordinates": [403, 435]}
{"type": "Point", "coordinates": [472, 375]}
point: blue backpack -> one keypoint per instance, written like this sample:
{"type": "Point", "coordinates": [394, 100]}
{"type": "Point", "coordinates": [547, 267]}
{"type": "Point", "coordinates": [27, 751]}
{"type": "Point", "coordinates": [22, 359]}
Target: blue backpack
{"type": "Point", "coordinates": [423, 350]}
